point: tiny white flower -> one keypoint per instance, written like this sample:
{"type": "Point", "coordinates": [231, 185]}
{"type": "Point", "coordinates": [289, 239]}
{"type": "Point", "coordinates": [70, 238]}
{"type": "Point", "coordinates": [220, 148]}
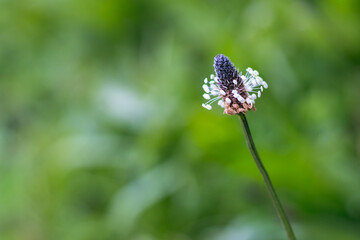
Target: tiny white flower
{"type": "Point", "coordinates": [214, 92]}
{"type": "Point", "coordinates": [206, 96]}
{"type": "Point", "coordinates": [213, 86]}
{"type": "Point", "coordinates": [221, 103]}
{"type": "Point", "coordinates": [264, 84]}
{"type": "Point", "coordinates": [240, 98]}
{"type": "Point", "coordinates": [206, 88]}
{"type": "Point", "coordinates": [207, 106]}
{"type": "Point", "coordinates": [248, 88]}
{"type": "Point", "coordinates": [253, 81]}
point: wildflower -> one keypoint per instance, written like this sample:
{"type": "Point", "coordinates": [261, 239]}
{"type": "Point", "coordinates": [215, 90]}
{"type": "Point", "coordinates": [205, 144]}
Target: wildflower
{"type": "Point", "coordinates": [236, 93]}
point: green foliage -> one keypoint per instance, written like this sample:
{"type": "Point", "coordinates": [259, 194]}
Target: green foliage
{"type": "Point", "coordinates": [102, 133]}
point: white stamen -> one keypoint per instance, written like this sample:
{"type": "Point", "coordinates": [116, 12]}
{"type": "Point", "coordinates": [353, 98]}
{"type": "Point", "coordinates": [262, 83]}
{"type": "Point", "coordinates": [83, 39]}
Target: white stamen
{"type": "Point", "coordinates": [240, 98]}
{"type": "Point", "coordinates": [214, 92]}
{"type": "Point", "coordinates": [206, 96]}
{"type": "Point", "coordinates": [205, 80]}
{"type": "Point", "coordinates": [206, 88]}
{"type": "Point", "coordinates": [213, 86]}
{"type": "Point", "coordinates": [253, 96]}
{"type": "Point", "coordinates": [255, 72]}
{"type": "Point", "coordinates": [221, 103]}
{"type": "Point", "coordinates": [212, 76]}
{"type": "Point", "coordinates": [261, 88]}
{"type": "Point", "coordinates": [264, 84]}
{"type": "Point", "coordinates": [253, 82]}
{"type": "Point", "coordinates": [207, 106]}
{"type": "Point", "coordinates": [234, 92]}
{"type": "Point", "coordinates": [248, 88]}
{"type": "Point", "coordinates": [234, 81]}
{"type": "Point", "coordinates": [222, 92]}
{"type": "Point", "coordinates": [243, 78]}
{"type": "Point", "coordinates": [259, 94]}
{"type": "Point", "coordinates": [228, 100]}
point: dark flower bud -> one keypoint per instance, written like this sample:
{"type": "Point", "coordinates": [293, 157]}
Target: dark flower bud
{"type": "Point", "coordinates": [224, 69]}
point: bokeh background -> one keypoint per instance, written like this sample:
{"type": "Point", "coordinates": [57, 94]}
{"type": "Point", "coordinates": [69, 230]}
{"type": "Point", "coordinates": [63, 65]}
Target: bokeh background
{"type": "Point", "coordinates": [102, 133]}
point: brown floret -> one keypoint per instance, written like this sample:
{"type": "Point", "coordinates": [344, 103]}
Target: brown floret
{"type": "Point", "coordinates": [236, 107]}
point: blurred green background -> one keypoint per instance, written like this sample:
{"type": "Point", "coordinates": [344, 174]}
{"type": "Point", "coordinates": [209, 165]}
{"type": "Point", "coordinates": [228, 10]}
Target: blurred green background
{"type": "Point", "coordinates": [102, 133]}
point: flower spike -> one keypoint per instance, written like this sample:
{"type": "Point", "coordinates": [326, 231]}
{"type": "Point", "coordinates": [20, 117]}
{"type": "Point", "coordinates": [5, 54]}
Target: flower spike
{"type": "Point", "coordinates": [236, 92]}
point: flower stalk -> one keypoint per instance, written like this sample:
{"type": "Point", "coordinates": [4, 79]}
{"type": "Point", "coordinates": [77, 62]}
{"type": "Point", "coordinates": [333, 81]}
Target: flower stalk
{"type": "Point", "coordinates": [270, 188]}
{"type": "Point", "coordinates": [236, 93]}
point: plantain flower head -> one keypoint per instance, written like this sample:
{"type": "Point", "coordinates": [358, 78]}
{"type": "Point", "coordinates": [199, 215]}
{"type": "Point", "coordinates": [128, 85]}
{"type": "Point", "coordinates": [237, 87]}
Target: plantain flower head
{"type": "Point", "coordinates": [234, 92]}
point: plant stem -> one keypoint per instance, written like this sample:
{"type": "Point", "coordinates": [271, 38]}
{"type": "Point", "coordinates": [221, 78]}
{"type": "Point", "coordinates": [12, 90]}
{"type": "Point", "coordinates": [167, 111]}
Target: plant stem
{"type": "Point", "coordinates": [278, 207]}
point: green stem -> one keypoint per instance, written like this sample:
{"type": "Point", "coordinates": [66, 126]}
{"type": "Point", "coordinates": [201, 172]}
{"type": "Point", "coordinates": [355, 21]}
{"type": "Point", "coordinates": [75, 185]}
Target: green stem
{"type": "Point", "coordinates": [278, 207]}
